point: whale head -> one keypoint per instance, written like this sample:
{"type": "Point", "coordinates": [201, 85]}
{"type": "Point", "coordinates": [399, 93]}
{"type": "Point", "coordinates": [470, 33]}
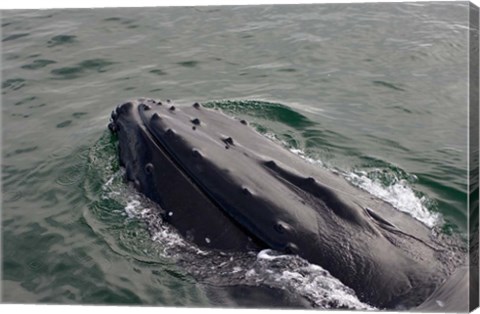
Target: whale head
{"type": "Point", "coordinates": [225, 186]}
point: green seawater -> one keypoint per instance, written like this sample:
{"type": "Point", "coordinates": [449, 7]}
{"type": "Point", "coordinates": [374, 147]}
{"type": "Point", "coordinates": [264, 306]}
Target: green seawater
{"type": "Point", "coordinates": [378, 91]}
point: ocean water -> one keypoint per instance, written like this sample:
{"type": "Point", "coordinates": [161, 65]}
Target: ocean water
{"type": "Point", "coordinates": [378, 92]}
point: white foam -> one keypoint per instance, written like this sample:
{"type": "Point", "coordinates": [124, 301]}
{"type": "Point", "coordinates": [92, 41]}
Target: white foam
{"type": "Point", "coordinates": [264, 254]}
{"type": "Point", "coordinates": [294, 150]}
{"type": "Point", "coordinates": [236, 269]}
{"type": "Point", "coordinates": [400, 195]}
{"type": "Point", "coordinates": [107, 187]}
{"type": "Point", "coordinates": [250, 273]}
{"type": "Point", "coordinates": [133, 208]}
{"type": "Point", "coordinates": [302, 154]}
{"type": "Point", "coordinates": [168, 239]}
{"type": "Point", "coordinates": [293, 273]}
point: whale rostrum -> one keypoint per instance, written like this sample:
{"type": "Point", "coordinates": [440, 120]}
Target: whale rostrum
{"type": "Point", "coordinates": [217, 178]}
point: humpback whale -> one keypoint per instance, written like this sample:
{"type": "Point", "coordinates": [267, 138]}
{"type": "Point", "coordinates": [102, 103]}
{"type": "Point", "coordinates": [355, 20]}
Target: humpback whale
{"type": "Point", "coordinates": [224, 186]}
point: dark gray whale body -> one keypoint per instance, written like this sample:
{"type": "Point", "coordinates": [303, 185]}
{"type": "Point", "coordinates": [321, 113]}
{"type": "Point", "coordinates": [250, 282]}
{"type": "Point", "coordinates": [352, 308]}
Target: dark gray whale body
{"type": "Point", "coordinates": [224, 186]}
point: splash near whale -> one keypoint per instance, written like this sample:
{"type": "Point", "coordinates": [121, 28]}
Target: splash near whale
{"type": "Point", "coordinates": [226, 187]}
